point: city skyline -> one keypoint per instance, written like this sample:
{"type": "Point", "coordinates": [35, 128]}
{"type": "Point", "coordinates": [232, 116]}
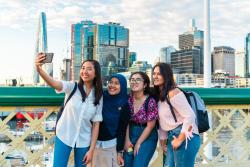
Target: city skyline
{"type": "Point", "coordinates": [156, 24]}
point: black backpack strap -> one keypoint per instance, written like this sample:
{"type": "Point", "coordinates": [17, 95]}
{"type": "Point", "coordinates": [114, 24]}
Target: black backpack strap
{"type": "Point", "coordinates": [171, 109]}
{"type": "Point", "coordinates": [71, 94]}
{"type": "Point", "coordinates": [195, 102]}
{"type": "Point", "coordinates": [187, 95]}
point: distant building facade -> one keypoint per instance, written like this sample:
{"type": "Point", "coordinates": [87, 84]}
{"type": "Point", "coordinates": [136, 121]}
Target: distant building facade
{"type": "Point", "coordinates": [140, 66]}
{"type": "Point", "coordinates": [247, 50]}
{"type": "Point", "coordinates": [132, 58]}
{"type": "Point", "coordinates": [193, 39]}
{"type": "Point", "coordinates": [106, 43]}
{"type": "Point", "coordinates": [65, 70]}
{"type": "Point", "coordinates": [165, 54]}
{"type": "Point", "coordinates": [224, 60]}
{"type": "Point", "coordinates": [186, 61]}
{"type": "Point", "coordinates": [240, 63]}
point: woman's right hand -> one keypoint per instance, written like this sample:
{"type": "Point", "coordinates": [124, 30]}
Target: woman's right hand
{"type": "Point", "coordinates": [127, 144]}
{"type": "Point", "coordinates": [120, 159]}
{"type": "Point", "coordinates": [38, 61]}
{"type": "Point", "coordinates": [163, 145]}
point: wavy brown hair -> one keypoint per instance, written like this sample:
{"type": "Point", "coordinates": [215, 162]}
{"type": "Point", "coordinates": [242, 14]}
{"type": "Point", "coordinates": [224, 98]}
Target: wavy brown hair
{"type": "Point", "coordinates": [169, 83]}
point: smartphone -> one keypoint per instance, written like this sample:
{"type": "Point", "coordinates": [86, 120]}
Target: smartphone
{"type": "Point", "coordinates": [48, 57]}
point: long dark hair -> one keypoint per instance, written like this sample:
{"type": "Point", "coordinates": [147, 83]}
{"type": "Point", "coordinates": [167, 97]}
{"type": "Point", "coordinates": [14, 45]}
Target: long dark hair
{"type": "Point", "coordinates": [169, 83]}
{"type": "Point", "coordinates": [97, 82]}
{"type": "Point", "coordinates": [146, 81]}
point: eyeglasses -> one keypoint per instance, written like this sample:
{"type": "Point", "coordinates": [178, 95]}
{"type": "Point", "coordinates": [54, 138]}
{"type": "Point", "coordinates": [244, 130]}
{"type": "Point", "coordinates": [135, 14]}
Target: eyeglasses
{"type": "Point", "coordinates": [136, 80]}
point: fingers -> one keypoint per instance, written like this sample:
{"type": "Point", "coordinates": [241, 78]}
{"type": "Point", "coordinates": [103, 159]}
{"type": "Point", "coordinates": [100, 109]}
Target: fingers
{"type": "Point", "coordinates": [88, 160]}
{"type": "Point", "coordinates": [136, 150]}
{"type": "Point", "coordinates": [84, 159]}
{"type": "Point", "coordinates": [165, 148]}
{"type": "Point", "coordinates": [173, 143]}
{"type": "Point", "coordinates": [122, 162]}
{"type": "Point", "coordinates": [38, 61]}
{"type": "Point", "coordinates": [40, 57]}
{"type": "Point", "coordinates": [163, 145]}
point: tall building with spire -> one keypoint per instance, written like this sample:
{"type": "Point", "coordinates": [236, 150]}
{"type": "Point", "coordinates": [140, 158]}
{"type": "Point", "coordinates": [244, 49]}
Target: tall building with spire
{"type": "Point", "coordinates": [247, 50]}
{"type": "Point", "coordinates": [190, 56]}
{"type": "Point", "coordinates": [42, 46]}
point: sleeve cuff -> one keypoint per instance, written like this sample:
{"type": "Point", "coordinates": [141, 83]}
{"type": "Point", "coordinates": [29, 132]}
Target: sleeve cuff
{"type": "Point", "coordinates": [162, 134]}
{"type": "Point", "coordinates": [97, 118]}
{"type": "Point", "coordinates": [63, 88]}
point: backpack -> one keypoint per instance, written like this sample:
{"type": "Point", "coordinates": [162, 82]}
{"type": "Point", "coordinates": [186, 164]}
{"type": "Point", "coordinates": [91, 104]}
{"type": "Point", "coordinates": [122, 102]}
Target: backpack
{"type": "Point", "coordinates": [199, 108]}
{"type": "Point", "coordinates": [59, 114]}
{"type": "Point", "coordinates": [146, 109]}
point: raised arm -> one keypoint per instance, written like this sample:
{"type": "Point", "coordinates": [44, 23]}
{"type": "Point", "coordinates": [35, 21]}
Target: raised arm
{"type": "Point", "coordinates": [47, 78]}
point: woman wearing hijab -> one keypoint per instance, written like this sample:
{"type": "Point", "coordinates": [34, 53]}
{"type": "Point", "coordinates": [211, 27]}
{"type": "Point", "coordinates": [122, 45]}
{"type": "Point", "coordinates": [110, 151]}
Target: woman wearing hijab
{"type": "Point", "coordinates": [115, 120]}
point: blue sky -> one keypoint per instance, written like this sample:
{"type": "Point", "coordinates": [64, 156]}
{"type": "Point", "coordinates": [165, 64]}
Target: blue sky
{"type": "Point", "coordinates": [152, 23]}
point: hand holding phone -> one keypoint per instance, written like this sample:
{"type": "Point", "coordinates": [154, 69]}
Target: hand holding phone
{"type": "Point", "coordinates": [48, 57]}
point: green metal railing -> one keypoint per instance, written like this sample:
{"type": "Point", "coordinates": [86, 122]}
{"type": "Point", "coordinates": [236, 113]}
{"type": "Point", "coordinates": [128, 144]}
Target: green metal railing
{"type": "Point", "coordinates": [226, 144]}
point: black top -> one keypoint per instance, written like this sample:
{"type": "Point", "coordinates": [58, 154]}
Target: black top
{"type": "Point", "coordinates": [105, 134]}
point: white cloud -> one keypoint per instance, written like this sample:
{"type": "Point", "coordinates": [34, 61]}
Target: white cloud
{"type": "Point", "coordinates": [152, 23]}
{"type": "Point", "coordinates": [155, 20]}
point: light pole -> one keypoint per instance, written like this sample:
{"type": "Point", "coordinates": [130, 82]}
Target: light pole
{"type": "Point", "coordinates": [207, 72]}
{"type": "Point", "coordinates": [207, 45]}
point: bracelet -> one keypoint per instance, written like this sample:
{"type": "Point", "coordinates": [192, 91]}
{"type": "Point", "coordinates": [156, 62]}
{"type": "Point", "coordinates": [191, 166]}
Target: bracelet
{"type": "Point", "coordinates": [120, 152]}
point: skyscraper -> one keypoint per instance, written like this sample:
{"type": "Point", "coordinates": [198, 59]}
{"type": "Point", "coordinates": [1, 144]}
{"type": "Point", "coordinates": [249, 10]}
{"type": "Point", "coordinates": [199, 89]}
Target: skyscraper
{"type": "Point", "coordinates": [112, 42]}
{"type": "Point", "coordinates": [165, 54]}
{"type": "Point", "coordinates": [193, 38]}
{"type": "Point", "coordinates": [132, 58]}
{"type": "Point", "coordinates": [240, 62]}
{"type": "Point", "coordinates": [106, 43]}
{"type": "Point", "coordinates": [186, 61]}
{"type": "Point", "coordinates": [247, 50]}
{"type": "Point", "coordinates": [42, 46]}
{"type": "Point", "coordinates": [224, 60]}
{"type": "Point", "coordinates": [65, 70]}
{"type": "Point", "coordinates": [82, 35]}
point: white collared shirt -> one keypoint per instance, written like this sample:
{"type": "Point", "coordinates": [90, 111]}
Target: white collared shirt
{"type": "Point", "coordinates": [74, 127]}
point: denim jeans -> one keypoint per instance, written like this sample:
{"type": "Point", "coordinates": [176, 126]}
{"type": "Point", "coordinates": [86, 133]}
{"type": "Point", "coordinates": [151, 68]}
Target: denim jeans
{"type": "Point", "coordinates": [182, 157]}
{"type": "Point", "coordinates": [146, 150]}
{"type": "Point", "coordinates": [62, 152]}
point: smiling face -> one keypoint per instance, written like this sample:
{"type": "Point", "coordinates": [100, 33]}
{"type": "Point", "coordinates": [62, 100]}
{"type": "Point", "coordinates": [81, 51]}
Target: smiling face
{"type": "Point", "coordinates": [137, 83]}
{"type": "Point", "coordinates": [114, 86]}
{"type": "Point", "coordinates": [158, 79]}
{"type": "Point", "coordinates": [87, 72]}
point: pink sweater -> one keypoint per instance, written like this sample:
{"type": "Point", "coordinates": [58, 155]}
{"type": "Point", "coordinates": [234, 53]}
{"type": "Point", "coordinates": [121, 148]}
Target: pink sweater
{"type": "Point", "coordinates": [184, 114]}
